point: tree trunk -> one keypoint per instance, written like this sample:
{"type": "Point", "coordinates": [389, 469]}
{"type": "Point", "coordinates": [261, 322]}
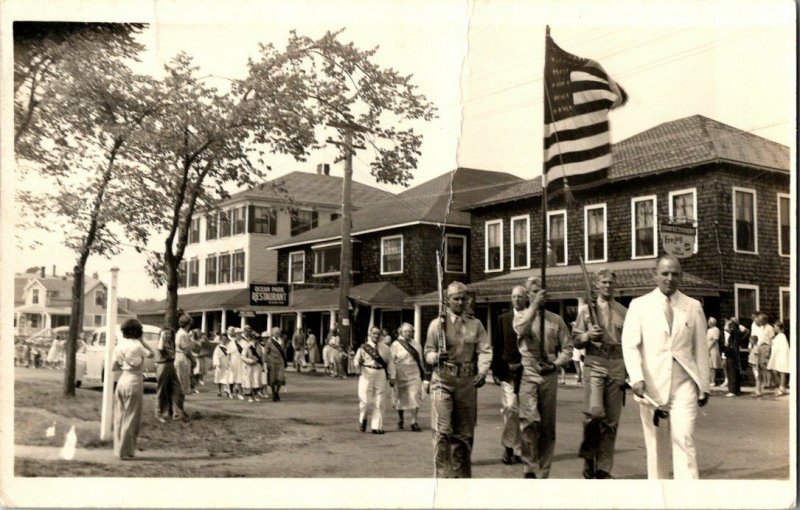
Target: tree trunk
{"type": "Point", "coordinates": [75, 327]}
{"type": "Point", "coordinates": [171, 314]}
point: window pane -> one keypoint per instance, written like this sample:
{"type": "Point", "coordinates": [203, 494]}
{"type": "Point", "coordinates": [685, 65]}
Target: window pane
{"type": "Point", "coordinates": [645, 232]}
{"type": "Point", "coordinates": [224, 224]}
{"type": "Point", "coordinates": [327, 259]}
{"type": "Point", "coordinates": [557, 241]}
{"type": "Point", "coordinates": [455, 255]}
{"type": "Point", "coordinates": [520, 242]}
{"type": "Point", "coordinates": [596, 234]}
{"type": "Point", "coordinates": [303, 221]}
{"type": "Point", "coordinates": [264, 220]}
{"type": "Point", "coordinates": [786, 247]}
{"type": "Point", "coordinates": [392, 252]}
{"type": "Point", "coordinates": [493, 239]}
{"type": "Point", "coordinates": [194, 272]}
{"type": "Point", "coordinates": [224, 268]}
{"type": "Point", "coordinates": [683, 207]}
{"type": "Point", "coordinates": [211, 226]}
{"type": "Point", "coordinates": [296, 270]}
{"type": "Point", "coordinates": [211, 270]}
{"type": "Point", "coordinates": [745, 232]}
{"type": "Point", "coordinates": [747, 302]}
{"type": "Point", "coordinates": [194, 231]}
{"type": "Point", "coordinates": [238, 267]}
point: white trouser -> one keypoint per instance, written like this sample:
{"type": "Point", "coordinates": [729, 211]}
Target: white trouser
{"type": "Point", "coordinates": [371, 384]}
{"type": "Point", "coordinates": [677, 430]}
{"type": "Point", "coordinates": [510, 411]}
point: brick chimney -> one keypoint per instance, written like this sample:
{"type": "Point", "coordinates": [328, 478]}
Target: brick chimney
{"type": "Point", "coordinates": [324, 169]}
{"type": "Point", "coordinates": [43, 275]}
{"type": "Point", "coordinates": [54, 269]}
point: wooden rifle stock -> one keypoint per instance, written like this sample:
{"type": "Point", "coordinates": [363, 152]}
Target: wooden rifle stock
{"type": "Point", "coordinates": [587, 288]}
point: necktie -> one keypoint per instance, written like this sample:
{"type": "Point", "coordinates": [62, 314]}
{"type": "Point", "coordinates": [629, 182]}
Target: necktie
{"type": "Point", "coordinates": [668, 314]}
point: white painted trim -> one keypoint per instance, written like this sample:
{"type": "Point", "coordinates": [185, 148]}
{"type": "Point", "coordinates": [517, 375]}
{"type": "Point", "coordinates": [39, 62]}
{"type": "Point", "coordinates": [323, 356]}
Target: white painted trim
{"type": "Point", "coordinates": [781, 290]}
{"type": "Point", "coordinates": [486, 246]}
{"type": "Point", "coordinates": [289, 276]}
{"type": "Point", "coordinates": [586, 210]}
{"type": "Point", "coordinates": [369, 231]}
{"type": "Point", "coordinates": [463, 253]}
{"type": "Point", "coordinates": [780, 245]}
{"type": "Point", "coordinates": [386, 238]}
{"type": "Point", "coordinates": [746, 286]}
{"type": "Point", "coordinates": [316, 255]}
{"type": "Point", "coordinates": [527, 218]}
{"type": "Point", "coordinates": [693, 191]}
{"type": "Point", "coordinates": [634, 201]}
{"type": "Point", "coordinates": [750, 191]}
{"type": "Point", "coordinates": [560, 212]}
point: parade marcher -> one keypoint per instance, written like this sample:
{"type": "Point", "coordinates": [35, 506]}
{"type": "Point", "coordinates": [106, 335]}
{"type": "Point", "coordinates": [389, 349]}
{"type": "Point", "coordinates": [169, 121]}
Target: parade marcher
{"type": "Point", "coordinates": [666, 355]}
{"type": "Point", "coordinates": [386, 338]}
{"type": "Point", "coordinates": [761, 334]}
{"type": "Point", "coordinates": [460, 351]}
{"type": "Point", "coordinates": [298, 345]}
{"type": "Point", "coordinates": [539, 384]}
{"type": "Point", "coordinates": [714, 354]}
{"type": "Point", "coordinates": [507, 373]}
{"type": "Point", "coordinates": [377, 367]}
{"type": "Point", "coordinates": [235, 351]}
{"type": "Point", "coordinates": [338, 356]}
{"type": "Point", "coordinates": [183, 353]}
{"type": "Point", "coordinates": [734, 334]}
{"type": "Point", "coordinates": [780, 360]}
{"type": "Point", "coordinates": [55, 356]}
{"type": "Point", "coordinates": [275, 354]}
{"type": "Point", "coordinates": [604, 375]}
{"type": "Point", "coordinates": [313, 350]}
{"type": "Point", "coordinates": [407, 358]}
{"type": "Point", "coordinates": [252, 365]}
{"type": "Point", "coordinates": [128, 356]}
{"type": "Point", "coordinates": [221, 360]}
{"type": "Point", "coordinates": [169, 394]}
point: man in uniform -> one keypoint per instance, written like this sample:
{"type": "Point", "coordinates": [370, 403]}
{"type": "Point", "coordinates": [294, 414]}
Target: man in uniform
{"type": "Point", "coordinates": [604, 375]}
{"type": "Point", "coordinates": [666, 356]}
{"type": "Point", "coordinates": [539, 384]}
{"type": "Point", "coordinates": [506, 372]}
{"type": "Point", "coordinates": [460, 367]}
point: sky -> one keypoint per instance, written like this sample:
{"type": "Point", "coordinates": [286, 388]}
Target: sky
{"type": "Point", "coordinates": [481, 64]}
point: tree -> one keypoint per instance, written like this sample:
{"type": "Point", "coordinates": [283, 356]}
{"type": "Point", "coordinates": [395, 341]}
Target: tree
{"type": "Point", "coordinates": [79, 145]}
{"type": "Point", "coordinates": [205, 140]}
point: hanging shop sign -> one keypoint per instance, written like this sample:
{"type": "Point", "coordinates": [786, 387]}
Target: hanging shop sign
{"type": "Point", "coordinates": [269, 294]}
{"type": "Point", "coordinates": [678, 239]}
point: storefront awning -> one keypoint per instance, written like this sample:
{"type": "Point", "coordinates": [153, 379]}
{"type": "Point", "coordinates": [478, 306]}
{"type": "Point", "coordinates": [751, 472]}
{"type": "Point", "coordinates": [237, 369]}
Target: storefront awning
{"type": "Point", "coordinates": [634, 278]}
{"type": "Point", "coordinates": [377, 294]}
{"type": "Point", "coordinates": [191, 303]}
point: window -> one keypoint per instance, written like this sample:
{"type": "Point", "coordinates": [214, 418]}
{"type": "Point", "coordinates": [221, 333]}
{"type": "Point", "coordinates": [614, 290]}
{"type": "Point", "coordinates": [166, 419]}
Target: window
{"type": "Point", "coordinates": [327, 260]}
{"type": "Point", "coordinates": [297, 267]}
{"type": "Point", "coordinates": [643, 227]}
{"type": "Point", "coordinates": [35, 296]}
{"type": "Point", "coordinates": [785, 306]}
{"type": "Point", "coordinates": [520, 242]}
{"type": "Point", "coordinates": [682, 208]}
{"type": "Point", "coordinates": [263, 220]}
{"type": "Point", "coordinates": [335, 216]}
{"type": "Point", "coordinates": [392, 255]}
{"type": "Point", "coordinates": [494, 246]}
{"type": "Point", "coordinates": [557, 235]}
{"type": "Point", "coordinates": [303, 221]}
{"type": "Point", "coordinates": [224, 224]}
{"type": "Point", "coordinates": [784, 220]}
{"type": "Point", "coordinates": [455, 258]}
{"type": "Point", "coordinates": [194, 231]}
{"type": "Point", "coordinates": [224, 266]}
{"type": "Point", "coordinates": [182, 274]}
{"type": "Point", "coordinates": [211, 270]}
{"type": "Point", "coordinates": [211, 226]}
{"type": "Point", "coordinates": [745, 300]}
{"type": "Point", "coordinates": [594, 220]}
{"type": "Point", "coordinates": [237, 221]}
{"type": "Point", "coordinates": [97, 321]}
{"type": "Point", "coordinates": [194, 273]}
{"type": "Point", "coordinates": [745, 237]}
{"type": "Point", "coordinates": [238, 267]}
{"type": "Point", "coordinates": [100, 297]}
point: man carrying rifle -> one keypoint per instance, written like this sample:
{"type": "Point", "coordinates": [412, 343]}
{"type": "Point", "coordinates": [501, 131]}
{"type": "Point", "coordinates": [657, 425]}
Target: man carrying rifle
{"type": "Point", "coordinates": [537, 392]}
{"type": "Point", "coordinates": [599, 331]}
{"type": "Point", "coordinates": [460, 351]}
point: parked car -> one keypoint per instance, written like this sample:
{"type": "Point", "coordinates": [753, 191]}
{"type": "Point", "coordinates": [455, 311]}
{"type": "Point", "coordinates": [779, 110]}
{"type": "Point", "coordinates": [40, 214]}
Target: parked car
{"type": "Point", "coordinates": [90, 360]}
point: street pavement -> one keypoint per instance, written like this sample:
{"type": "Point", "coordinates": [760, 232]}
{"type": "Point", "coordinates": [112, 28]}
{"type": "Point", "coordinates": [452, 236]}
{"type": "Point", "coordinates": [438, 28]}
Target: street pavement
{"type": "Point", "coordinates": [737, 438]}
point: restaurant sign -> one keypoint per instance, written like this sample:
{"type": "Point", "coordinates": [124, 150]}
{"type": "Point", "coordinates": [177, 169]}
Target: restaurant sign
{"type": "Point", "coordinates": [678, 239]}
{"type": "Point", "coordinates": [269, 294]}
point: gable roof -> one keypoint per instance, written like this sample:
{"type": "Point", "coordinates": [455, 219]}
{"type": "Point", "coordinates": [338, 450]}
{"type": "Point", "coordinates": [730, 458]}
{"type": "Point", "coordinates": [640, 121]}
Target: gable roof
{"type": "Point", "coordinates": [435, 201]}
{"type": "Point", "coordinates": [306, 188]}
{"type": "Point", "coordinates": [682, 143]}
{"type": "Point", "coordinates": [60, 284]}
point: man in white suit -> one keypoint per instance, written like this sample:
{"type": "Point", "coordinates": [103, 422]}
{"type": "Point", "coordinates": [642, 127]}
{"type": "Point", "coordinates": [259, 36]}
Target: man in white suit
{"type": "Point", "coordinates": [666, 356]}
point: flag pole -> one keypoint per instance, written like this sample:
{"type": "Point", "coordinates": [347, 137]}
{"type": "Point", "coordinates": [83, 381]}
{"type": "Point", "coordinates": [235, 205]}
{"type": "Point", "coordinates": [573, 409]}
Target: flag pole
{"type": "Point", "coordinates": [544, 212]}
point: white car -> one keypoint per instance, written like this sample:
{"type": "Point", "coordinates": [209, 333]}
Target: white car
{"type": "Point", "coordinates": [90, 359]}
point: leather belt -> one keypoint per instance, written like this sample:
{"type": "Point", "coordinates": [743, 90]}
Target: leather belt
{"type": "Point", "coordinates": [372, 367]}
{"type": "Point", "coordinates": [448, 369]}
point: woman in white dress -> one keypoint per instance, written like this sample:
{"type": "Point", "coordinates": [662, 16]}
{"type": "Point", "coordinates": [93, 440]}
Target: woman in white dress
{"type": "Point", "coordinates": [251, 366]}
{"type": "Point", "coordinates": [714, 357]}
{"type": "Point", "coordinates": [236, 363]}
{"type": "Point", "coordinates": [408, 389]}
{"type": "Point", "coordinates": [779, 359]}
{"type": "Point", "coordinates": [221, 360]}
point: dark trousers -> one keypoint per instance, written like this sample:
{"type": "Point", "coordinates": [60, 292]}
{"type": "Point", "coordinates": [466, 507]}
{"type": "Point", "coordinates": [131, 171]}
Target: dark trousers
{"type": "Point", "coordinates": [602, 401]}
{"type": "Point", "coordinates": [733, 374]}
{"type": "Point", "coordinates": [455, 411]}
{"type": "Point", "coordinates": [169, 395]}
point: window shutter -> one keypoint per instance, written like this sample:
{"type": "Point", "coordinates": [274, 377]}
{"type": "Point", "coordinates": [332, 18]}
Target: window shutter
{"type": "Point", "coordinates": [251, 218]}
{"type": "Point", "coordinates": [273, 221]}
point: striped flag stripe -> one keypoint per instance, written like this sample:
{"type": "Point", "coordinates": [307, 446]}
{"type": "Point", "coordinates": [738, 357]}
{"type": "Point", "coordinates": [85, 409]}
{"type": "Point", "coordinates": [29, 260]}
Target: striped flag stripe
{"type": "Point", "coordinates": [576, 122]}
{"type": "Point", "coordinates": [564, 159]}
{"type": "Point", "coordinates": [587, 166]}
{"type": "Point", "coordinates": [574, 134]}
{"type": "Point", "coordinates": [584, 76]}
{"type": "Point", "coordinates": [581, 144]}
{"type": "Point", "coordinates": [594, 95]}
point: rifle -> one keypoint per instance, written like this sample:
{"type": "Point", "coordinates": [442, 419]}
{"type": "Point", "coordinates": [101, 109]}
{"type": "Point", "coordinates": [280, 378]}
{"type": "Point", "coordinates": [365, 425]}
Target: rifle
{"type": "Point", "coordinates": [587, 289]}
{"type": "Point", "coordinates": [442, 315]}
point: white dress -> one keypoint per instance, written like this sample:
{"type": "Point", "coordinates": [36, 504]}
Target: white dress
{"type": "Point", "coordinates": [221, 361]}
{"type": "Point", "coordinates": [408, 387]}
{"type": "Point", "coordinates": [779, 358]}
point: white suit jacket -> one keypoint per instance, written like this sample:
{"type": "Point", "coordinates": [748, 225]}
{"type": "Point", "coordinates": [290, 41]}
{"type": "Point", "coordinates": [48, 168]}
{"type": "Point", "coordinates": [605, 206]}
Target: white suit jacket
{"type": "Point", "coordinates": [648, 347]}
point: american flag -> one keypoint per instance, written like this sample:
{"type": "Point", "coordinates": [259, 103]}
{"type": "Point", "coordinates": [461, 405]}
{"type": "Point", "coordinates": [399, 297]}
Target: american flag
{"type": "Point", "coordinates": [578, 96]}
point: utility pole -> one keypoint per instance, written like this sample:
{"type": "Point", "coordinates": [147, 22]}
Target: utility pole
{"type": "Point", "coordinates": [346, 258]}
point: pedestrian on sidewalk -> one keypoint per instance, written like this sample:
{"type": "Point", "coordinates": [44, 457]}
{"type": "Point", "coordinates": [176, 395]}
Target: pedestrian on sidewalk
{"type": "Point", "coordinates": [183, 353]}
{"type": "Point", "coordinates": [169, 394]}
{"type": "Point", "coordinates": [407, 358]}
{"type": "Point", "coordinates": [377, 367]}
{"type": "Point", "coordinates": [714, 354]}
{"type": "Point", "coordinates": [298, 346]}
{"type": "Point", "coordinates": [313, 350]}
{"type": "Point", "coordinates": [780, 359]}
{"type": "Point", "coordinates": [735, 334]}
{"type": "Point", "coordinates": [275, 355]}
{"type": "Point", "coordinates": [128, 356]}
